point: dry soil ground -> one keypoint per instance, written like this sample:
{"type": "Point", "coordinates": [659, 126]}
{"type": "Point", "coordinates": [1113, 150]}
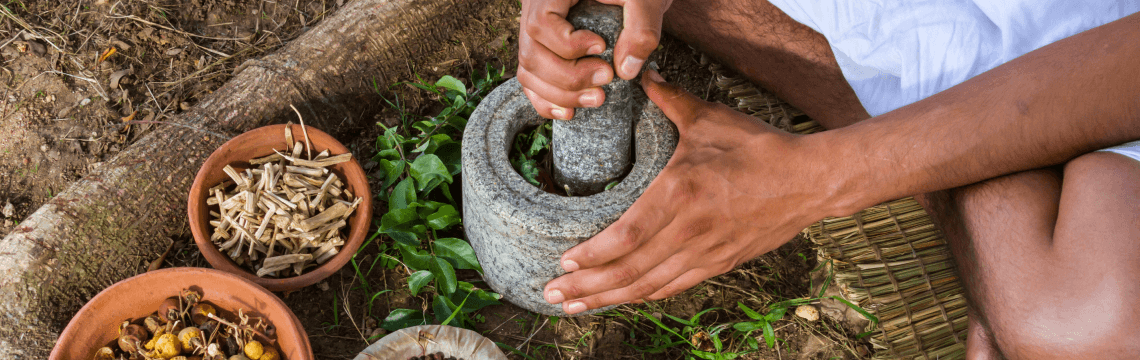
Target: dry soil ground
{"type": "Point", "coordinates": [81, 80]}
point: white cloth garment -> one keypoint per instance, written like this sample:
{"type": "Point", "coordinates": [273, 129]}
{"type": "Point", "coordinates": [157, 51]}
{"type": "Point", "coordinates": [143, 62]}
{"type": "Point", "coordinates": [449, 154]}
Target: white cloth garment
{"type": "Point", "coordinates": [896, 52]}
{"type": "Point", "coordinates": [1131, 150]}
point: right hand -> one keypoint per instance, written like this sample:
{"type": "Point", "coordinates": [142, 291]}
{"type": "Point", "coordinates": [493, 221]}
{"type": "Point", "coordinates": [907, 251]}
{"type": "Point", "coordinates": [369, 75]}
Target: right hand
{"type": "Point", "coordinates": [554, 70]}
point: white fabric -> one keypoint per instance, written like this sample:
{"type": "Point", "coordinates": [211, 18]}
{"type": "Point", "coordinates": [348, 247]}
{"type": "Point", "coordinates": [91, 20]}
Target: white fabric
{"type": "Point", "coordinates": [1131, 150]}
{"type": "Point", "coordinates": [896, 52]}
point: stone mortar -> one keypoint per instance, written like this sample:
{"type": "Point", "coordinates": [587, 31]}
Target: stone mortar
{"type": "Point", "coordinates": [518, 231]}
{"type": "Point", "coordinates": [593, 149]}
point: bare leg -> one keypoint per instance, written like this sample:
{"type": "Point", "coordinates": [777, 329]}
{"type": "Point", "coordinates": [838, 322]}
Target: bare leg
{"type": "Point", "coordinates": [1050, 259]}
{"type": "Point", "coordinates": [769, 48]}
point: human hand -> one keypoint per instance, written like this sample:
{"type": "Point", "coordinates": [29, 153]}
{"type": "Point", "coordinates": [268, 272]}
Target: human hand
{"type": "Point", "coordinates": [734, 189]}
{"type": "Point", "coordinates": [555, 69]}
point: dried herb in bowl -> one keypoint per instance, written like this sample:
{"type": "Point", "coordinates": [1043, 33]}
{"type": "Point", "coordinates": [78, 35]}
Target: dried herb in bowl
{"type": "Point", "coordinates": [284, 214]}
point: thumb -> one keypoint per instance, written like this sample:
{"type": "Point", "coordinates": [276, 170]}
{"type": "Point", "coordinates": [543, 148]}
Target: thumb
{"type": "Point", "coordinates": [678, 105]}
{"type": "Point", "coordinates": [640, 34]}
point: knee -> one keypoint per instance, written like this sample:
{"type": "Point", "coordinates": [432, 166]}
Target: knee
{"type": "Point", "coordinates": [1094, 332]}
{"type": "Point", "coordinates": [1098, 165]}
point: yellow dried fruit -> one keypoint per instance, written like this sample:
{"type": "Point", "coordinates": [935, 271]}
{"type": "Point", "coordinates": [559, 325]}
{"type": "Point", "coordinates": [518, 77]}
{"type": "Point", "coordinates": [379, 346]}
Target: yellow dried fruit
{"type": "Point", "coordinates": [199, 314]}
{"type": "Point", "coordinates": [130, 335]}
{"type": "Point", "coordinates": [152, 322]}
{"type": "Point", "coordinates": [191, 297]}
{"type": "Point", "coordinates": [270, 354]}
{"type": "Point", "coordinates": [104, 353]}
{"type": "Point", "coordinates": [254, 350]}
{"type": "Point", "coordinates": [150, 344]}
{"type": "Point", "coordinates": [166, 346]}
{"type": "Point", "coordinates": [170, 310]}
{"type": "Point", "coordinates": [238, 357]}
{"type": "Point", "coordinates": [191, 338]}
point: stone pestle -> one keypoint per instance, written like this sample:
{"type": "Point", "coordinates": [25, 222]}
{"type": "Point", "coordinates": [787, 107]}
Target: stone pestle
{"type": "Point", "coordinates": [593, 149]}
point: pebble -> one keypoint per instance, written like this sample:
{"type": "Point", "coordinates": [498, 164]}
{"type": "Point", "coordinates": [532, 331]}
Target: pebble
{"type": "Point", "coordinates": [45, 147]}
{"type": "Point", "coordinates": [85, 102]}
{"type": "Point", "coordinates": [8, 210]}
{"type": "Point", "coordinates": [808, 312]}
{"type": "Point", "coordinates": [324, 286]}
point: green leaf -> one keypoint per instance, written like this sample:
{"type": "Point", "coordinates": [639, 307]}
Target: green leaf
{"type": "Point", "coordinates": [460, 251]}
{"type": "Point", "coordinates": [441, 306]}
{"type": "Point", "coordinates": [748, 311]}
{"type": "Point", "coordinates": [418, 279]}
{"type": "Point", "coordinates": [752, 343]}
{"type": "Point", "coordinates": [402, 195]}
{"type": "Point", "coordinates": [402, 318]}
{"type": "Point", "coordinates": [444, 218]}
{"type": "Point", "coordinates": [417, 259]}
{"type": "Point", "coordinates": [390, 154]}
{"type": "Point", "coordinates": [539, 143]}
{"type": "Point", "coordinates": [680, 320]}
{"type": "Point", "coordinates": [769, 335]}
{"type": "Point", "coordinates": [444, 275]}
{"type": "Point", "coordinates": [697, 318]}
{"type": "Point", "coordinates": [392, 171]}
{"type": "Point", "coordinates": [775, 314]}
{"type": "Point", "coordinates": [427, 208]}
{"type": "Point", "coordinates": [858, 309]}
{"type": "Point", "coordinates": [429, 172]}
{"type": "Point", "coordinates": [403, 237]}
{"type": "Point", "coordinates": [612, 184]}
{"type": "Point", "coordinates": [451, 154]}
{"type": "Point", "coordinates": [458, 309]}
{"type": "Point", "coordinates": [451, 83]}
{"type": "Point", "coordinates": [528, 168]}
{"type": "Point", "coordinates": [399, 219]}
{"type": "Point", "coordinates": [423, 126]}
{"type": "Point", "coordinates": [478, 299]}
{"type": "Point", "coordinates": [748, 326]}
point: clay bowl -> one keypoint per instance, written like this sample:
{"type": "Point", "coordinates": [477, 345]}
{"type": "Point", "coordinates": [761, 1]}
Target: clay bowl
{"type": "Point", "coordinates": [97, 323]}
{"type": "Point", "coordinates": [258, 143]}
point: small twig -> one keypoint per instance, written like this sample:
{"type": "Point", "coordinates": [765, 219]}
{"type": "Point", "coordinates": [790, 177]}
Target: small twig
{"type": "Point", "coordinates": [533, 333]}
{"type": "Point", "coordinates": [93, 81]}
{"type": "Point", "coordinates": [135, 18]}
{"type": "Point", "coordinates": [158, 262]}
{"type": "Point", "coordinates": [308, 145]}
{"type": "Point", "coordinates": [240, 328]}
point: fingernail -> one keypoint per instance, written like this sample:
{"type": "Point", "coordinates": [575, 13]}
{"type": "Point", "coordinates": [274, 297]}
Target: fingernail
{"type": "Point", "coordinates": [601, 78]}
{"type": "Point", "coordinates": [596, 49]}
{"type": "Point", "coordinates": [590, 99]}
{"type": "Point", "coordinates": [559, 113]}
{"type": "Point", "coordinates": [555, 297]}
{"type": "Point", "coordinates": [569, 265]}
{"type": "Point", "coordinates": [655, 76]}
{"type": "Point", "coordinates": [576, 307]}
{"type": "Point", "coordinates": [631, 65]}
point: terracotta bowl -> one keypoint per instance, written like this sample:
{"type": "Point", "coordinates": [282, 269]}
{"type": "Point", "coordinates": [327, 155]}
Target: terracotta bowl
{"type": "Point", "coordinates": [258, 143]}
{"type": "Point", "coordinates": [96, 325]}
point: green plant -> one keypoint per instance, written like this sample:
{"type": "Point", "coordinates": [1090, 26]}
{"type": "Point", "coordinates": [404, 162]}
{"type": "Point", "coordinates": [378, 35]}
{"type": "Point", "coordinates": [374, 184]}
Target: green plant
{"type": "Point", "coordinates": [760, 322]}
{"type": "Point", "coordinates": [527, 150]}
{"type": "Point", "coordinates": [418, 163]}
{"type": "Point", "coordinates": [703, 342]}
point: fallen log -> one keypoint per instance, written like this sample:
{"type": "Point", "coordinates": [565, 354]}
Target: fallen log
{"type": "Point", "coordinates": [110, 224]}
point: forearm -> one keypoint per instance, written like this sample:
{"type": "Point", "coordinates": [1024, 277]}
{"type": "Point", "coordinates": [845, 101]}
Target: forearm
{"type": "Point", "coordinates": [1044, 108]}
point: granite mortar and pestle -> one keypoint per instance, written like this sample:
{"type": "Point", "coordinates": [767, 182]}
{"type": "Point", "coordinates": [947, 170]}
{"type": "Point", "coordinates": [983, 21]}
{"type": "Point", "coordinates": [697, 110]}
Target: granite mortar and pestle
{"type": "Point", "coordinates": [518, 231]}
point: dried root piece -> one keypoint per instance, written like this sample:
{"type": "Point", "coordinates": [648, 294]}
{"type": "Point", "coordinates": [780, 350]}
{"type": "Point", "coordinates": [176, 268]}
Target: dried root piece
{"type": "Point", "coordinates": [284, 215]}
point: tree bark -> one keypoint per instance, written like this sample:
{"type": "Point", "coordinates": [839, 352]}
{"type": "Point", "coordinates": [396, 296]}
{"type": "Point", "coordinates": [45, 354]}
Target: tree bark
{"type": "Point", "coordinates": [108, 225]}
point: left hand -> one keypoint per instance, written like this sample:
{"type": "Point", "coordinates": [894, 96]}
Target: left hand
{"type": "Point", "coordinates": [734, 189]}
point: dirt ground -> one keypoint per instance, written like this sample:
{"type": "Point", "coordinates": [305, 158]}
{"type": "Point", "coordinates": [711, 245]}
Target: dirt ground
{"type": "Point", "coordinates": [69, 103]}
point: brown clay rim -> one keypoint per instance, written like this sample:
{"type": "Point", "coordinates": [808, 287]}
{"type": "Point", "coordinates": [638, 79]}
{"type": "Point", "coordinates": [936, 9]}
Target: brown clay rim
{"type": "Point", "coordinates": [96, 324]}
{"type": "Point", "coordinates": [258, 143]}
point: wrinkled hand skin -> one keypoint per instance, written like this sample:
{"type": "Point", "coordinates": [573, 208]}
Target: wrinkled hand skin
{"type": "Point", "coordinates": [555, 67]}
{"type": "Point", "coordinates": [734, 189]}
